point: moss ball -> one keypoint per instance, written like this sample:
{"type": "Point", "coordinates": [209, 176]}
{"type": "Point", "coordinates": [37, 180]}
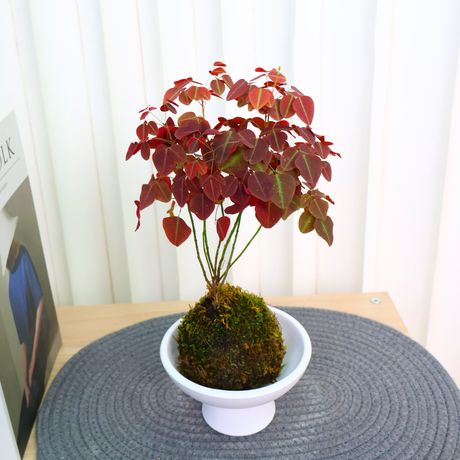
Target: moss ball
{"type": "Point", "coordinates": [232, 343]}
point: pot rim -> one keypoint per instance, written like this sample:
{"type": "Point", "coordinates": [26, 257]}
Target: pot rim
{"type": "Point", "coordinates": [286, 381]}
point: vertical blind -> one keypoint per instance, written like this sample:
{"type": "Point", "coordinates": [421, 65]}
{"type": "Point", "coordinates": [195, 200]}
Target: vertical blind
{"type": "Point", "coordinates": [385, 78]}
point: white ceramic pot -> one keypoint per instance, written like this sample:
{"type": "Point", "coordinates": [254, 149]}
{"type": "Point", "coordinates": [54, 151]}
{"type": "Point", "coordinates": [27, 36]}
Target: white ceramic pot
{"type": "Point", "coordinates": [244, 412]}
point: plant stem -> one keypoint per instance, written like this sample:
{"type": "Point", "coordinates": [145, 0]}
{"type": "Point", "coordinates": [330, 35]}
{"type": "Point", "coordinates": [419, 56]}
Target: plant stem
{"type": "Point", "coordinates": [198, 249]}
{"type": "Point", "coordinates": [229, 263]}
{"type": "Point", "coordinates": [238, 219]}
{"type": "Point", "coordinates": [242, 252]}
{"type": "Point", "coordinates": [207, 255]}
{"type": "Point", "coordinates": [217, 271]}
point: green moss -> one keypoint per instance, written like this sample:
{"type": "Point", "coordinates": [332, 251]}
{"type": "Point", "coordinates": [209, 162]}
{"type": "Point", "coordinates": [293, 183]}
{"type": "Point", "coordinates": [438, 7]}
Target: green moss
{"type": "Point", "coordinates": [232, 343]}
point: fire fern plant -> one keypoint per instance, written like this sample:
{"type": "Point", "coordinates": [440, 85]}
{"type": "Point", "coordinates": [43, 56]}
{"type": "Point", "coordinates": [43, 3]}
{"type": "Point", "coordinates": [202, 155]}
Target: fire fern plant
{"type": "Point", "coordinates": [261, 162]}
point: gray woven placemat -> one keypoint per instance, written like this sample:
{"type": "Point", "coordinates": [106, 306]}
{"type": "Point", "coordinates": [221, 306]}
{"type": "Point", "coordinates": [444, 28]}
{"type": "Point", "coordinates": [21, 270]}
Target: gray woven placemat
{"type": "Point", "coordinates": [369, 392]}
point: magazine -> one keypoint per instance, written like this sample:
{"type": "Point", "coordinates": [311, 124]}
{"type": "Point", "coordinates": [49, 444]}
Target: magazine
{"type": "Point", "coordinates": [29, 331]}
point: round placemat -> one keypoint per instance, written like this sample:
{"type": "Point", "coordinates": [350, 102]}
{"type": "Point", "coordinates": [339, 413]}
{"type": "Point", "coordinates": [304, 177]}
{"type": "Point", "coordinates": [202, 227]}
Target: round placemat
{"type": "Point", "coordinates": [369, 392]}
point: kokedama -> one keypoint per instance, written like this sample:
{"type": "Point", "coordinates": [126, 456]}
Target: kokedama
{"type": "Point", "coordinates": [230, 339]}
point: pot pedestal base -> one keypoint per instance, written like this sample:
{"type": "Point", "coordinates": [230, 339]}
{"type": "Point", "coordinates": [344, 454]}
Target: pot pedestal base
{"type": "Point", "coordinates": [239, 422]}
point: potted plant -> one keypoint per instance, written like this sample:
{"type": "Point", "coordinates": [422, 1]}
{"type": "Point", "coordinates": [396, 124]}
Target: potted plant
{"type": "Point", "coordinates": [229, 345]}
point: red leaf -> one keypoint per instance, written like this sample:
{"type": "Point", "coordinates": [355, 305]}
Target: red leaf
{"type": "Point", "coordinates": [193, 145]}
{"type": "Point", "coordinates": [324, 228]}
{"type": "Point", "coordinates": [283, 190]}
{"type": "Point", "coordinates": [327, 171]}
{"type": "Point", "coordinates": [184, 99]}
{"type": "Point", "coordinates": [222, 226]}
{"type": "Point", "coordinates": [224, 145]}
{"type": "Point", "coordinates": [201, 206]}
{"type": "Point", "coordinates": [257, 153]}
{"type": "Point", "coordinates": [212, 185]}
{"type": "Point", "coordinates": [187, 116]}
{"type": "Point", "coordinates": [145, 150]}
{"type": "Point", "coordinates": [237, 90]}
{"type": "Point", "coordinates": [306, 133]}
{"type": "Point", "coordinates": [218, 86]}
{"type": "Point", "coordinates": [142, 132]}
{"type": "Point", "coordinates": [181, 83]}
{"type": "Point", "coordinates": [230, 187]}
{"type": "Point", "coordinates": [296, 91]}
{"type": "Point", "coordinates": [179, 153]}
{"type": "Point", "coordinates": [328, 198]}
{"type": "Point", "coordinates": [147, 196]}
{"type": "Point", "coordinates": [195, 167]}
{"type": "Point", "coordinates": [310, 168]}
{"type": "Point", "coordinates": [246, 137]}
{"type": "Point", "coordinates": [176, 230]}
{"type": "Point", "coordinates": [260, 185]}
{"type": "Point", "coordinates": [277, 139]}
{"type": "Point", "coordinates": [164, 160]}
{"type": "Point", "coordinates": [259, 97]}
{"type": "Point", "coordinates": [258, 122]}
{"type": "Point", "coordinates": [217, 71]}
{"type": "Point", "coordinates": [235, 208]}
{"type": "Point", "coordinates": [276, 76]}
{"type": "Point", "coordinates": [179, 189]}
{"type": "Point", "coordinates": [162, 191]}
{"type": "Point", "coordinates": [194, 186]}
{"type": "Point", "coordinates": [198, 93]}
{"type": "Point", "coordinates": [187, 128]}
{"type": "Point", "coordinates": [133, 148]}
{"type": "Point", "coordinates": [219, 63]}
{"type": "Point", "coordinates": [318, 208]}
{"type": "Point", "coordinates": [322, 150]}
{"type": "Point", "coordinates": [259, 69]}
{"type": "Point", "coordinates": [211, 132]}
{"type": "Point", "coordinates": [288, 158]}
{"type": "Point", "coordinates": [138, 214]}
{"type": "Point", "coordinates": [240, 196]}
{"type": "Point", "coordinates": [168, 106]}
{"type": "Point", "coordinates": [172, 94]}
{"type": "Point", "coordinates": [323, 141]}
{"type": "Point", "coordinates": [275, 112]}
{"type": "Point", "coordinates": [227, 80]}
{"type": "Point", "coordinates": [304, 108]}
{"type": "Point", "coordinates": [286, 109]}
{"type": "Point", "coordinates": [268, 214]}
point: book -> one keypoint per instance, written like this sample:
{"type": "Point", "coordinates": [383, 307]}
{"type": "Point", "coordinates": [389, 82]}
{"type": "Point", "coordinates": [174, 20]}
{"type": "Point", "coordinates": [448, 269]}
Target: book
{"type": "Point", "coordinates": [29, 330]}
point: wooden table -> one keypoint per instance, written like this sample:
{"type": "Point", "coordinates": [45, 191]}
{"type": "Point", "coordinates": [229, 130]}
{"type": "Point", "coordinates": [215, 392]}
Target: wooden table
{"type": "Point", "coordinates": [82, 325]}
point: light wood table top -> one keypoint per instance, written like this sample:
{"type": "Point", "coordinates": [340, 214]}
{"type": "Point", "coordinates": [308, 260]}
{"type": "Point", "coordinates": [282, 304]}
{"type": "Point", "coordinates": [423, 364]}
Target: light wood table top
{"type": "Point", "coordinates": [81, 325]}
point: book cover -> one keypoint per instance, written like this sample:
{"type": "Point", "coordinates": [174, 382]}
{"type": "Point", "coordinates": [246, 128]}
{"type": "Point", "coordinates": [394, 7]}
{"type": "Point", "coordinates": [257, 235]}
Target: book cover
{"type": "Point", "coordinates": [29, 331]}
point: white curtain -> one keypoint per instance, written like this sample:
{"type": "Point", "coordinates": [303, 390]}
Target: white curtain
{"type": "Point", "coordinates": [385, 78]}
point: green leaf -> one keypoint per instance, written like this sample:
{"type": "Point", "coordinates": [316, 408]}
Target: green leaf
{"type": "Point", "coordinates": [306, 222]}
{"type": "Point", "coordinates": [235, 162]}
